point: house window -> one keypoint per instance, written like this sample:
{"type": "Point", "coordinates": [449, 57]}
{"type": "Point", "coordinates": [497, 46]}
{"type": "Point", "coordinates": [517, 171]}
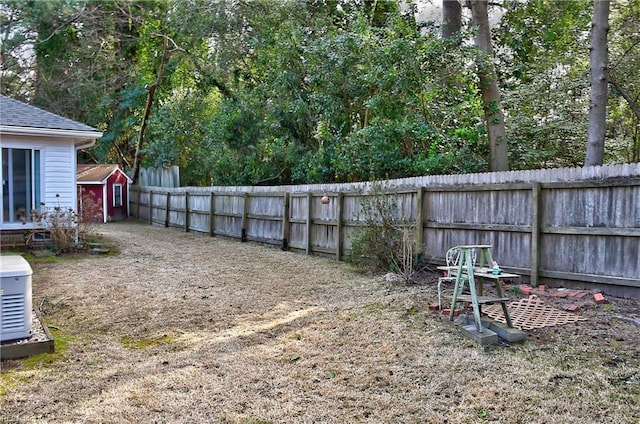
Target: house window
{"type": "Point", "coordinates": [21, 184]}
{"type": "Point", "coordinates": [117, 195]}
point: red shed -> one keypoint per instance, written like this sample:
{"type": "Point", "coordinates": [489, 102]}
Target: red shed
{"type": "Point", "coordinates": [100, 185]}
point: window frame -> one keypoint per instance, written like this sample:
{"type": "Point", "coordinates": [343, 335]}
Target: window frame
{"type": "Point", "coordinates": [117, 188]}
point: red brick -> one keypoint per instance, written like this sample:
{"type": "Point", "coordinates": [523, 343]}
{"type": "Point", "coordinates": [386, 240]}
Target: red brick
{"type": "Point", "coordinates": [571, 307]}
{"type": "Point", "coordinates": [526, 290]}
{"type": "Point", "coordinates": [599, 298]}
{"type": "Point", "coordinates": [447, 311]}
{"type": "Point", "coordinates": [434, 306]}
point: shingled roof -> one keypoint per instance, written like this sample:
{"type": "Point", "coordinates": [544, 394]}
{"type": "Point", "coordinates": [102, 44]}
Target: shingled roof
{"type": "Point", "coordinates": [97, 173]}
{"type": "Point", "coordinates": [15, 114]}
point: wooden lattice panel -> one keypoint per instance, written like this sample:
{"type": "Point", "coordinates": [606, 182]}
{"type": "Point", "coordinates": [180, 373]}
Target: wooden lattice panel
{"type": "Point", "coordinates": [530, 313]}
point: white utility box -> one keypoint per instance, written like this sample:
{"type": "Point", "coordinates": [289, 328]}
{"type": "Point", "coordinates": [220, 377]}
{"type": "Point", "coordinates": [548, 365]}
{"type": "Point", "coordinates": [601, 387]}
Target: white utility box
{"type": "Point", "coordinates": [15, 298]}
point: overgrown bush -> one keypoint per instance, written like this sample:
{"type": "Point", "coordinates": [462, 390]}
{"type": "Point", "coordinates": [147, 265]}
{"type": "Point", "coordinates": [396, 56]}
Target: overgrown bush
{"type": "Point", "coordinates": [60, 224]}
{"type": "Point", "coordinates": [68, 229]}
{"type": "Point", "coordinates": [387, 240]}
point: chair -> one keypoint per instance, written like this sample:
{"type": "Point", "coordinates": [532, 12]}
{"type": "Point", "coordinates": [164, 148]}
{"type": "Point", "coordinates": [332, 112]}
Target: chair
{"type": "Point", "coordinates": [453, 258]}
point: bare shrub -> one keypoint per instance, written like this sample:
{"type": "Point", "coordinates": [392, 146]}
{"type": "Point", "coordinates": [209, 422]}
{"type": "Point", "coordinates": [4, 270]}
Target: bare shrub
{"type": "Point", "coordinates": [387, 240]}
{"type": "Point", "coordinates": [68, 229]}
{"type": "Point", "coordinates": [403, 257]}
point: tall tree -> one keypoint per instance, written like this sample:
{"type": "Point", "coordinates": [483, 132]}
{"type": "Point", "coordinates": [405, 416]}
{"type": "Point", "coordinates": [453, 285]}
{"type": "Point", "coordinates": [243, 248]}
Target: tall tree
{"type": "Point", "coordinates": [151, 89]}
{"type": "Point", "coordinates": [494, 117]}
{"type": "Point", "coordinates": [451, 18]}
{"type": "Point", "coordinates": [598, 61]}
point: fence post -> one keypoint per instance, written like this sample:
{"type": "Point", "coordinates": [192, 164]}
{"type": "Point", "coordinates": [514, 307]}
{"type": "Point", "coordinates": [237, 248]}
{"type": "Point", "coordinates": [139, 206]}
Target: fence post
{"type": "Point", "coordinates": [166, 212]}
{"type": "Point", "coordinates": [245, 218]}
{"type": "Point", "coordinates": [309, 222]}
{"type": "Point", "coordinates": [285, 223]}
{"type": "Point", "coordinates": [340, 200]}
{"type": "Point", "coordinates": [536, 221]}
{"type": "Point", "coordinates": [212, 215]}
{"type": "Point", "coordinates": [420, 223]}
{"type": "Point", "coordinates": [137, 190]}
{"type": "Point", "coordinates": [186, 211]}
{"type": "Point", "coordinates": [150, 207]}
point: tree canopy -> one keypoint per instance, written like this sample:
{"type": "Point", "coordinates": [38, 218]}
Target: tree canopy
{"type": "Point", "coordinates": [278, 92]}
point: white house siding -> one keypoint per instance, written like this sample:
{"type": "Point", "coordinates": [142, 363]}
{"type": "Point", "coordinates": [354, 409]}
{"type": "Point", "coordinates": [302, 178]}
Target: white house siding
{"type": "Point", "coordinates": [59, 183]}
{"type": "Point", "coordinates": [57, 170]}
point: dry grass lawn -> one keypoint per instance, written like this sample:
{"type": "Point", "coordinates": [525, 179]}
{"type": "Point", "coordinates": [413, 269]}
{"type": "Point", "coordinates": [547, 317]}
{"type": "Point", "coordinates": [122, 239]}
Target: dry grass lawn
{"type": "Point", "coordinates": [183, 328]}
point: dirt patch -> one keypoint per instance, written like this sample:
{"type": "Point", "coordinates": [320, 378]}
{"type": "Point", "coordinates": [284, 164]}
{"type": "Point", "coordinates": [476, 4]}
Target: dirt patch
{"type": "Point", "coordinates": [185, 328]}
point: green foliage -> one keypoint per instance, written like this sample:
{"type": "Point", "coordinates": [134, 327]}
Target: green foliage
{"type": "Point", "coordinates": [539, 34]}
{"type": "Point", "coordinates": [347, 101]}
{"type": "Point", "coordinates": [264, 92]}
{"type": "Point", "coordinates": [178, 133]}
{"type": "Point", "coordinates": [623, 140]}
{"type": "Point", "coordinates": [545, 66]}
{"type": "Point", "coordinates": [116, 144]}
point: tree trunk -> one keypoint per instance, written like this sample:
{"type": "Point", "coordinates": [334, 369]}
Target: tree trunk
{"type": "Point", "coordinates": [166, 54]}
{"type": "Point", "coordinates": [494, 117]}
{"type": "Point", "coordinates": [451, 18]}
{"type": "Point", "coordinates": [598, 60]}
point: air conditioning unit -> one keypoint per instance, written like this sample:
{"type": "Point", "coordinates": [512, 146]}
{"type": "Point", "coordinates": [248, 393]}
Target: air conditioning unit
{"type": "Point", "coordinates": [15, 298]}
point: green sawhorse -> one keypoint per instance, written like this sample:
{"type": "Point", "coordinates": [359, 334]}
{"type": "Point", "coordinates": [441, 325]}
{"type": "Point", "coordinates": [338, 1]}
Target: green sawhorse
{"type": "Point", "coordinates": [466, 265]}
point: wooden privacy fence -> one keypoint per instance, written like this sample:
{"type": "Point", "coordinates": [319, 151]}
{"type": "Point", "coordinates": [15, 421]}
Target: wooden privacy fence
{"type": "Point", "coordinates": [585, 231]}
{"type": "Point", "coordinates": [160, 177]}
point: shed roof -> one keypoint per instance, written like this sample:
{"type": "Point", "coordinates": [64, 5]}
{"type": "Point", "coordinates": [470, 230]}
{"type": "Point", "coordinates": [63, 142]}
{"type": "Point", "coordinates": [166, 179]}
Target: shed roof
{"type": "Point", "coordinates": [94, 173]}
{"type": "Point", "coordinates": [20, 117]}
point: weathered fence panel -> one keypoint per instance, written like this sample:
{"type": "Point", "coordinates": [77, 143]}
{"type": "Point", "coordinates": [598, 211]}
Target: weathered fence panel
{"type": "Point", "coordinates": [177, 208]}
{"type": "Point", "coordinates": [298, 217]}
{"type": "Point", "coordinates": [228, 214]}
{"type": "Point", "coordinates": [160, 177]}
{"type": "Point", "coordinates": [574, 225]}
{"type": "Point", "coordinates": [499, 215]}
{"type": "Point", "coordinates": [265, 218]}
{"type": "Point", "coordinates": [199, 212]}
{"type": "Point", "coordinates": [595, 229]}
